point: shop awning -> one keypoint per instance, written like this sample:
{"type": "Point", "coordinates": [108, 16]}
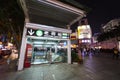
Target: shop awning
{"type": "Point", "coordinates": [51, 12]}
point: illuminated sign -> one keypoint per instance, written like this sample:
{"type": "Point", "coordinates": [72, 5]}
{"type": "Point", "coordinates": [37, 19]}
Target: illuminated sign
{"type": "Point", "coordinates": [65, 35]}
{"type": "Point", "coordinates": [31, 32]}
{"type": "Point", "coordinates": [84, 31]}
{"type": "Point", "coordinates": [39, 32]}
{"type": "Point", "coordinates": [73, 36]}
{"type": "Point", "coordinates": [42, 33]}
{"type": "Point", "coordinates": [84, 41]}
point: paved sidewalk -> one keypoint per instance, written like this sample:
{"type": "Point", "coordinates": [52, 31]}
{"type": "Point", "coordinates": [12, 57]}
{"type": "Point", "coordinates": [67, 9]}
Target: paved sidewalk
{"type": "Point", "coordinates": [93, 68]}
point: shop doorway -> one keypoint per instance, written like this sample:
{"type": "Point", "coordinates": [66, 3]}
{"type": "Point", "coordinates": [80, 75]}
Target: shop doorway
{"type": "Point", "coordinates": [49, 51]}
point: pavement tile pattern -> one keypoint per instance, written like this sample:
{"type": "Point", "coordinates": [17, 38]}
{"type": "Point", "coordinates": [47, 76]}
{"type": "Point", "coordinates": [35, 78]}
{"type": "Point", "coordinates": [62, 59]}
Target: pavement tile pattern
{"type": "Point", "coordinates": [93, 68]}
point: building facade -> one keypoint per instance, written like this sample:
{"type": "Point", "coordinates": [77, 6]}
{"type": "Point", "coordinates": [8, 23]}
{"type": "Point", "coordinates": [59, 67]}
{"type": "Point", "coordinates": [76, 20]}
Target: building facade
{"type": "Point", "coordinates": [111, 25]}
{"type": "Point", "coordinates": [111, 42]}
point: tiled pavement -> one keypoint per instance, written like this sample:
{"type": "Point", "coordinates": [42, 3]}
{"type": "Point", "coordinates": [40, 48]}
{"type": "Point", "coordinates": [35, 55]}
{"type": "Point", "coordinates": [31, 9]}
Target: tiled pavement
{"type": "Point", "coordinates": [93, 68]}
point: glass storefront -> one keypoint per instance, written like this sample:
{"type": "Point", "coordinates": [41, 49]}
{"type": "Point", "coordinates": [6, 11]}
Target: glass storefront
{"type": "Point", "coordinates": [49, 51]}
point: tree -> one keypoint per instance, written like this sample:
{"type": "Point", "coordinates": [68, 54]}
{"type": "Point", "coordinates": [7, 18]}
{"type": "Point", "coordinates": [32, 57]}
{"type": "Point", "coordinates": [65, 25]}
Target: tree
{"type": "Point", "coordinates": [11, 20]}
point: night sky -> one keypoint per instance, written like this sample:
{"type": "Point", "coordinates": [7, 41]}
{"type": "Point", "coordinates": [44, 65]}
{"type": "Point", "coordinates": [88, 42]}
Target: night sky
{"type": "Point", "coordinates": [102, 12]}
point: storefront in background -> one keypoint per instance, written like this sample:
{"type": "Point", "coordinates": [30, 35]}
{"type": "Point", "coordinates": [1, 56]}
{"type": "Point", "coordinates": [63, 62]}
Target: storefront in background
{"type": "Point", "coordinates": [84, 35]}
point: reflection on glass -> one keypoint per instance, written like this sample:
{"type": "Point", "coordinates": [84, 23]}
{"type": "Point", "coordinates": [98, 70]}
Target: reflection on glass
{"type": "Point", "coordinates": [50, 52]}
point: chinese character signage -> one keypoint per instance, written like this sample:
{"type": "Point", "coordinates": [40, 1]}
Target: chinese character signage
{"type": "Point", "coordinates": [42, 33]}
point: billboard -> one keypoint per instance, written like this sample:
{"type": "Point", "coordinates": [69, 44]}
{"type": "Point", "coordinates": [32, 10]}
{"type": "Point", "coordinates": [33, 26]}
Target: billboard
{"type": "Point", "coordinates": [84, 31]}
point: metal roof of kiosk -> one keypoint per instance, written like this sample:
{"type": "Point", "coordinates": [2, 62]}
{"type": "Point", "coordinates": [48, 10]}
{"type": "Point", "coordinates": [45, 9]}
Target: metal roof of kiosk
{"type": "Point", "coordinates": [50, 13]}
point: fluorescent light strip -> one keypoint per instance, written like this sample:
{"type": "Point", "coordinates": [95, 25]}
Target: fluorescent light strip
{"type": "Point", "coordinates": [36, 42]}
{"type": "Point", "coordinates": [45, 38]}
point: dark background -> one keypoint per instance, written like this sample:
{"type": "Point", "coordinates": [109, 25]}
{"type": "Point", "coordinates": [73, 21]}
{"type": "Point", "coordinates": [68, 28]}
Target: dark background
{"type": "Point", "coordinates": [102, 11]}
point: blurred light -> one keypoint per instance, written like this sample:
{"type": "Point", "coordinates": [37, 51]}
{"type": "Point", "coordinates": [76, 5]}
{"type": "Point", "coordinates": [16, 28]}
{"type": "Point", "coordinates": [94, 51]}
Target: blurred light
{"type": "Point", "coordinates": [84, 31]}
{"type": "Point", "coordinates": [73, 46]}
{"type": "Point", "coordinates": [65, 43]}
{"type": "Point", "coordinates": [10, 44]}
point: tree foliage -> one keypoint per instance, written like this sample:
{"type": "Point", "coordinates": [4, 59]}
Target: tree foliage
{"type": "Point", "coordinates": [11, 20]}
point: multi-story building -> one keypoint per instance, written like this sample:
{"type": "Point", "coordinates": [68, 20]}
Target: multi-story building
{"type": "Point", "coordinates": [111, 42]}
{"type": "Point", "coordinates": [111, 25]}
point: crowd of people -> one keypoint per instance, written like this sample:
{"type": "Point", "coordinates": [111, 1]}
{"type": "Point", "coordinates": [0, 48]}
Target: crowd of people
{"type": "Point", "coordinates": [99, 51]}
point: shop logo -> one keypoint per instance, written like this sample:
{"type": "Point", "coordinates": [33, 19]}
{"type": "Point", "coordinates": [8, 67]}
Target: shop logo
{"type": "Point", "coordinates": [39, 32]}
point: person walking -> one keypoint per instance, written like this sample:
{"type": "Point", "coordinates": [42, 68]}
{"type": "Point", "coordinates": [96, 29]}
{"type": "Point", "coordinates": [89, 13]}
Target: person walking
{"type": "Point", "coordinates": [115, 53]}
{"type": "Point", "coordinates": [8, 61]}
{"type": "Point", "coordinates": [49, 56]}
